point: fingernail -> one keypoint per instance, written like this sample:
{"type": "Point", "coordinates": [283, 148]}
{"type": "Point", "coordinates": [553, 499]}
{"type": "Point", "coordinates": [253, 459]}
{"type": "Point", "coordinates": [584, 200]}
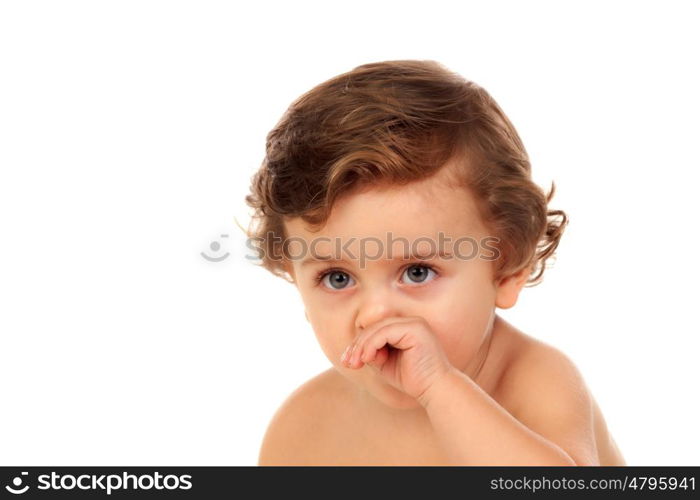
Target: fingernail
{"type": "Point", "coordinates": [352, 353]}
{"type": "Point", "coordinates": [345, 354]}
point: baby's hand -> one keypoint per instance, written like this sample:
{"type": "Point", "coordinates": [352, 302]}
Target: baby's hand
{"type": "Point", "coordinates": [414, 364]}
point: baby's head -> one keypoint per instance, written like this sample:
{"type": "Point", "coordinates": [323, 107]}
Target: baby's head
{"type": "Point", "coordinates": [393, 168]}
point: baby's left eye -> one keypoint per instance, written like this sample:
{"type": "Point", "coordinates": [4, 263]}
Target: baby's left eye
{"type": "Point", "coordinates": [418, 274]}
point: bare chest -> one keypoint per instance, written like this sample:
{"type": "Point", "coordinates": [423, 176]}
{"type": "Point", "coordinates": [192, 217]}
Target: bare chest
{"type": "Point", "coordinates": [354, 439]}
{"type": "Point", "coordinates": [362, 444]}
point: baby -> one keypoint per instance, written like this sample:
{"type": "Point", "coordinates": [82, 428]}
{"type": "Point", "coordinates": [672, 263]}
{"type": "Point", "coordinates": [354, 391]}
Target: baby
{"type": "Point", "coordinates": [398, 199]}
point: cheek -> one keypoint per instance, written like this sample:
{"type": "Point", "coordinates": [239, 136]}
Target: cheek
{"type": "Point", "coordinates": [457, 339]}
{"type": "Point", "coordinates": [329, 333]}
{"type": "Point", "coordinates": [461, 326]}
{"type": "Point", "coordinates": [327, 325]}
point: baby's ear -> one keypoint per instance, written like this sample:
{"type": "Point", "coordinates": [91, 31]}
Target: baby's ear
{"type": "Point", "coordinates": [508, 289]}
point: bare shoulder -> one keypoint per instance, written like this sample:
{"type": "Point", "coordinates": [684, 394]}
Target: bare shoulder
{"type": "Point", "coordinates": [535, 361]}
{"type": "Point", "coordinates": [547, 393]}
{"type": "Point", "coordinates": [295, 434]}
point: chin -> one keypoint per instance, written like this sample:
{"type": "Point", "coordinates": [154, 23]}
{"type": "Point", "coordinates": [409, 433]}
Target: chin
{"type": "Point", "coordinates": [392, 397]}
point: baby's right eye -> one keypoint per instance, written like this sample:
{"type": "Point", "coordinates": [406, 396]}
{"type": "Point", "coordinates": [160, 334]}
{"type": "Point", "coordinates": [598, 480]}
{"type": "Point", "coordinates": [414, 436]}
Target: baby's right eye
{"type": "Point", "coordinates": [336, 280]}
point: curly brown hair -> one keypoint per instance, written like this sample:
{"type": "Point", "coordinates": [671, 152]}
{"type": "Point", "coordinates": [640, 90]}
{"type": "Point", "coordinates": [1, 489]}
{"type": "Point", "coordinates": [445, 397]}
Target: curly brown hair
{"type": "Point", "coordinates": [396, 122]}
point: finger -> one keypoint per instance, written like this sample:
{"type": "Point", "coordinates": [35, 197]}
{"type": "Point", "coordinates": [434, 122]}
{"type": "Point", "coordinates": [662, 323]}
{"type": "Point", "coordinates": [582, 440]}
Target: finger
{"type": "Point", "coordinates": [367, 332]}
{"type": "Point", "coordinates": [356, 348]}
{"type": "Point", "coordinates": [377, 358]}
{"type": "Point", "coordinates": [398, 335]}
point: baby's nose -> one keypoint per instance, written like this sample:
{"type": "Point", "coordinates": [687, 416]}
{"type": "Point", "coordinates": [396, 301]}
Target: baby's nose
{"type": "Point", "coordinates": [374, 309]}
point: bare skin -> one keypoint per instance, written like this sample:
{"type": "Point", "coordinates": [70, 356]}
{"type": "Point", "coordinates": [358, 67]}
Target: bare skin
{"type": "Point", "coordinates": [332, 421]}
{"type": "Point", "coordinates": [471, 390]}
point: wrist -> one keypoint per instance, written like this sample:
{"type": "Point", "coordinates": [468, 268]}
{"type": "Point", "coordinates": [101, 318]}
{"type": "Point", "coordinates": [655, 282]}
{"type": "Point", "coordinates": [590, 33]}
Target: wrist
{"type": "Point", "coordinates": [437, 387]}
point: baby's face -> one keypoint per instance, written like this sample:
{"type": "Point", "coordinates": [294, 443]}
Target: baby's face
{"type": "Point", "coordinates": [456, 296]}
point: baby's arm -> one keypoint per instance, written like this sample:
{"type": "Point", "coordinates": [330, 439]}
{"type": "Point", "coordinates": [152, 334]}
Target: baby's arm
{"type": "Point", "coordinates": [551, 424]}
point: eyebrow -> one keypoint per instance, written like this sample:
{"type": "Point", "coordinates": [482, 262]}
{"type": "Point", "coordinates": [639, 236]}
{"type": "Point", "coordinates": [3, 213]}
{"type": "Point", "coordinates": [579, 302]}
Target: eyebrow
{"type": "Point", "coordinates": [329, 260]}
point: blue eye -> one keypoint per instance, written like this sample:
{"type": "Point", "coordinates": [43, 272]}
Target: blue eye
{"type": "Point", "coordinates": [419, 273]}
{"type": "Point", "coordinates": [334, 279]}
{"type": "Point", "coordinates": [337, 279]}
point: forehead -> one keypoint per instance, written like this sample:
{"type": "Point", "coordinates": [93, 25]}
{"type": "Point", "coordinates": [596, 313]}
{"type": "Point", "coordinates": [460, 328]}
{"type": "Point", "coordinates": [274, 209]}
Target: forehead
{"type": "Point", "coordinates": [419, 209]}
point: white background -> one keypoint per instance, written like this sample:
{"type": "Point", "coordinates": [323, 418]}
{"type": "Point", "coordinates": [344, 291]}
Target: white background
{"type": "Point", "coordinates": [128, 135]}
